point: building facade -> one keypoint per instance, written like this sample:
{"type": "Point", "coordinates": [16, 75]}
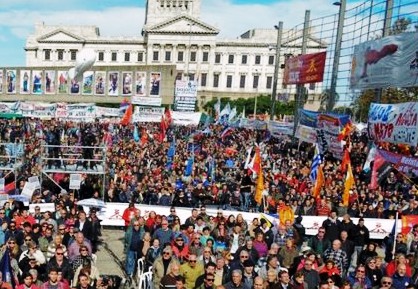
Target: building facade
{"type": "Point", "coordinates": [174, 34]}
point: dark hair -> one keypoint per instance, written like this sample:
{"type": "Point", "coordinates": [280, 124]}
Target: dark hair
{"type": "Point", "coordinates": [180, 278]}
{"type": "Point", "coordinates": [210, 264]}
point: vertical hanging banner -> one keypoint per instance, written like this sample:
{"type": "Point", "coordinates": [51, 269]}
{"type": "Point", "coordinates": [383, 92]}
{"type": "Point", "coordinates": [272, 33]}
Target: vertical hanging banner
{"type": "Point", "coordinates": [394, 123]}
{"type": "Point", "coordinates": [185, 94]}
{"type": "Point", "coordinates": [150, 97]}
{"type": "Point", "coordinates": [307, 68]}
{"type": "Point", "coordinates": [389, 61]}
{"type": "Point", "coordinates": [328, 130]}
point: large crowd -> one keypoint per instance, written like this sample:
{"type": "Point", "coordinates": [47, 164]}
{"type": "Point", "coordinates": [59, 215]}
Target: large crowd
{"type": "Point", "coordinates": [197, 167]}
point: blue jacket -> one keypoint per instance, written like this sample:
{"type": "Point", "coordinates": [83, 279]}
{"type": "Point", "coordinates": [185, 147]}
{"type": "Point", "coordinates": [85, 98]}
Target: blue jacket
{"type": "Point", "coordinates": [400, 282]}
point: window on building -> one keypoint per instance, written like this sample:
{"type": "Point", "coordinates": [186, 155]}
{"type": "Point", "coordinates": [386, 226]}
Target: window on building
{"type": "Point", "coordinates": [269, 81]}
{"type": "Point", "coordinates": [271, 59]}
{"type": "Point", "coordinates": [230, 58]}
{"type": "Point", "coordinates": [140, 57]}
{"type": "Point", "coordinates": [101, 56]}
{"type": "Point", "coordinates": [217, 58]}
{"type": "Point", "coordinates": [73, 54]}
{"type": "Point", "coordinates": [244, 59]}
{"type": "Point", "coordinates": [127, 56]}
{"type": "Point", "coordinates": [180, 56]}
{"type": "Point", "coordinates": [155, 55]}
{"type": "Point", "coordinates": [255, 81]}
{"type": "Point", "coordinates": [205, 56]}
{"type": "Point", "coordinates": [216, 80]}
{"type": "Point", "coordinates": [47, 54]}
{"type": "Point", "coordinates": [257, 59]}
{"type": "Point", "coordinates": [60, 55]}
{"type": "Point", "coordinates": [193, 56]}
{"type": "Point", "coordinates": [229, 81]}
{"type": "Point", "coordinates": [242, 81]}
{"type": "Point", "coordinates": [203, 79]}
{"type": "Point", "coordinates": [191, 76]}
{"type": "Point", "coordinates": [168, 56]}
{"type": "Point", "coordinates": [114, 56]}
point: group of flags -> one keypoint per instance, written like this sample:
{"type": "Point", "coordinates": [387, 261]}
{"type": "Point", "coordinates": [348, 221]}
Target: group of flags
{"type": "Point", "coordinates": [317, 174]}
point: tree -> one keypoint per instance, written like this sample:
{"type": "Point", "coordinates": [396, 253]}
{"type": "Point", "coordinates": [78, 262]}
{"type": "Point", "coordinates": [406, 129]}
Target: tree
{"type": "Point", "coordinates": [324, 104]}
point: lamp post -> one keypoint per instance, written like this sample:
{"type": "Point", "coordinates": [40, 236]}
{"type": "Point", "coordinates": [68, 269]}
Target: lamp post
{"type": "Point", "coordinates": [190, 50]}
{"type": "Point", "coordinates": [276, 69]}
{"type": "Point", "coordinates": [337, 51]}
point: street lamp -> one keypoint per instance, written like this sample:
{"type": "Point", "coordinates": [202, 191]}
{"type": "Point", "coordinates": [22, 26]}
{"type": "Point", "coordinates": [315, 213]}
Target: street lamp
{"type": "Point", "coordinates": [279, 29]}
{"type": "Point", "coordinates": [337, 51]}
{"type": "Point", "coordinates": [190, 50]}
{"type": "Point", "coordinates": [256, 93]}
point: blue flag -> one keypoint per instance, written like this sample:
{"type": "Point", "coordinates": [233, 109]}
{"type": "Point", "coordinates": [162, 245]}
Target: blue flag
{"type": "Point", "coordinates": [6, 269]}
{"type": "Point", "coordinates": [189, 166]}
{"type": "Point", "coordinates": [170, 154]}
{"type": "Point", "coordinates": [136, 134]}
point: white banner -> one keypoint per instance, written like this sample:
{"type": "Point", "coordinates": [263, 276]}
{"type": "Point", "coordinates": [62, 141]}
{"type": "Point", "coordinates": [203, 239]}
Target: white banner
{"type": "Point", "coordinates": [388, 61]}
{"type": "Point", "coordinates": [328, 131]}
{"type": "Point", "coordinates": [186, 118]}
{"type": "Point", "coordinates": [185, 88]}
{"type": "Point", "coordinates": [34, 180]}
{"type": "Point", "coordinates": [306, 134]}
{"type": "Point", "coordinates": [41, 110]}
{"type": "Point", "coordinates": [8, 107]}
{"type": "Point", "coordinates": [147, 114]}
{"type": "Point", "coordinates": [2, 185]}
{"type": "Point", "coordinates": [146, 100]}
{"type": "Point", "coordinates": [394, 123]}
{"type": "Point", "coordinates": [81, 110]}
{"type": "Point", "coordinates": [107, 112]}
{"type": "Point", "coordinates": [75, 181]}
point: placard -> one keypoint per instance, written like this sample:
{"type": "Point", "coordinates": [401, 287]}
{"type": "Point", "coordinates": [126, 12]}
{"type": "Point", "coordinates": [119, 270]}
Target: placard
{"type": "Point", "coordinates": [75, 181]}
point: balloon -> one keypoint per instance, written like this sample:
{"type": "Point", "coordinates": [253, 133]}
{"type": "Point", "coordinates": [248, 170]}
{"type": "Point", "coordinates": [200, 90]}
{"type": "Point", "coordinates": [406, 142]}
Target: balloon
{"type": "Point", "coordinates": [85, 61]}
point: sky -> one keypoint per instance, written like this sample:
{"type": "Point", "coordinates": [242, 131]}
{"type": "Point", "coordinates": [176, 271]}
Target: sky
{"type": "Point", "coordinates": [126, 18]}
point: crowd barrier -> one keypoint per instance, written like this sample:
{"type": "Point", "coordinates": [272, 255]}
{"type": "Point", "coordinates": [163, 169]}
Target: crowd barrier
{"type": "Point", "coordinates": [111, 215]}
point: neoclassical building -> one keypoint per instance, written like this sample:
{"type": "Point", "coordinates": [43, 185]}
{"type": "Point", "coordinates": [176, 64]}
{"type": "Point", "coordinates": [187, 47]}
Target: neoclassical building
{"type": "Point", "coordinates": [174, 35]}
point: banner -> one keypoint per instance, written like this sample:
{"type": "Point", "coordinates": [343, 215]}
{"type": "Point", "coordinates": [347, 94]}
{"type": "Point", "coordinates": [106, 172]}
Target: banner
{"type": "Point", "coordinates": [280, 128]}
{"type": "Point", "coordinates": [328, 130]}
{"type": "Point", "coordinates": [385, 62]}
{"type": "Point", "coordinates": [81, 110]}
{"type": "Point", "coordinates": [404, 164]}
{"type": "Point", "coordinates": [308, 118]}
{"type": "Point", "coordinates": [41, 110]}
{"type": "Point", "coordinates": [394, 123]}
{"type": "Point", "coordinates": [306, 134]}
{"type": "Point", "coordinates": [186, 118]}
{"type": "Point", "coordinates": [147, 114]}
{"type": "Point", "coordinates": [185, 94]}
{"type": "Point", "coordinates": [307, 68]}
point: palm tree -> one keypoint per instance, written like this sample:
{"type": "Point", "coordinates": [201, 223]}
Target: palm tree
{"type": "Point", "coordinates": [323, 99]}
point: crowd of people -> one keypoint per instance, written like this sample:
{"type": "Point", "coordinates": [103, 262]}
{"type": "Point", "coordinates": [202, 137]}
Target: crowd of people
{"type": "Point", "coordinates": [198, 167]}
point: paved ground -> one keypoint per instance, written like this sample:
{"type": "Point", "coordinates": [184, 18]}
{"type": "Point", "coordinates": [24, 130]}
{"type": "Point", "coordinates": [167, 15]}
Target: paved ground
{"type": "Point", "coordinates": [110, 257]}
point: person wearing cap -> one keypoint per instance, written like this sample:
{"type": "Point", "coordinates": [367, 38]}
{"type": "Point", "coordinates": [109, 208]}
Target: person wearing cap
{"type": "Point", "coordinates": [162, 265]}
{"type": "Point", "coordinates": [191, 270]}
{"type": "Point", "coordinates": [249, 274]}
{"type": "Point", "coordinates": [180, 249]}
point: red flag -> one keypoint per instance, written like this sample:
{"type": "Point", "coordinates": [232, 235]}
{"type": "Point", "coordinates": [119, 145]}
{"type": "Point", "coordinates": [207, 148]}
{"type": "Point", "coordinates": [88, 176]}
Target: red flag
{"type": "Point", "coordinates": [345, 161]}
{"type": "Point", "coordinates": [127, 116]}
{"type": "Point", "coordinates": [167, 116]}
{"type": "Point", "coordinates": [408, 222]}
{"type": "Point", "coordinates": [346, 131]}
{"type": "Point", "coordinates": [320, 180]}
{"type": "Point", "coordinates": [255, 164]}
{"type": "Point", "coordinates": [163, 129]}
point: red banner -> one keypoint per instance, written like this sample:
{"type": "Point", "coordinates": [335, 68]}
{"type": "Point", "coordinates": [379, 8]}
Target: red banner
{"type": "Point", "coordinates": [307, 68]}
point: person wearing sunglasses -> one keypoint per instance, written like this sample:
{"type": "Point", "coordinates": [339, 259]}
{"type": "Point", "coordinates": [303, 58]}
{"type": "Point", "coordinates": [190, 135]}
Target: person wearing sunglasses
{"type": "Point", "coordinates": [358, 278]}
{"type": "Point", "coordinates": [60, 261]}
{"type": "Point", "coordinates": [162, 265]}
{"type": "Point", "coordinates": [191, 270]}
{"type": "Point", "coordinates": [386, 282]}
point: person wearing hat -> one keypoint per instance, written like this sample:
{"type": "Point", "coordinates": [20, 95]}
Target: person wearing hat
{"type": "Point", "coordinates": [249, 274]}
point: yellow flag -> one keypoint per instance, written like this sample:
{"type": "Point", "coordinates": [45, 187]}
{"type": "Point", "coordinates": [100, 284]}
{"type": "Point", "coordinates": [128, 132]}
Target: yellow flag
{"type": "Point", "coordinates": [349, 182]}
{"type": "Point", "coordinates": [320, 179]}
{"type": "Point", "coordinates": [259, 188]}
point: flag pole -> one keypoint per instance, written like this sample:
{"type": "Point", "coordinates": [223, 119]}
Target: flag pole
{"type": "Point", "coordinates": [395, 233]}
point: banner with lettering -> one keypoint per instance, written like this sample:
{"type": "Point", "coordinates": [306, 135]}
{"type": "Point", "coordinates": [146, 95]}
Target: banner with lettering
{"type": "Point", "coordinates": [388, 61]}
{"type": "Point", "coordinates": [81, 110]}
{"type": "Point", "coordinates": [306, 134]}
{"type": "Point", "coordinates": [279, 128]}
{"type": "Point", "coordinates": [404, 164]}
{"type": "Point", "coordinates": [147, 114]}
{"type": "Point", "coordinates": [185, 95]}
{"type": "Point", "coordinates": [394, 123]}
{"type": "Point", "coordinates": [308, 118]}
{"type": "Point", "coordinates": [329, 127]}
{"type": "Point", "coordinates": [38, 110]}
{"type": "Point", "coordinates": [307, 68]}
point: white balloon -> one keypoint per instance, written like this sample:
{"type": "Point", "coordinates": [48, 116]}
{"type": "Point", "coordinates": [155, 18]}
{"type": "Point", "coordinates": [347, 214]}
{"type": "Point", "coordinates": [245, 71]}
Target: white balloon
{"type": "Point", "coordinates": [85, 61]}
